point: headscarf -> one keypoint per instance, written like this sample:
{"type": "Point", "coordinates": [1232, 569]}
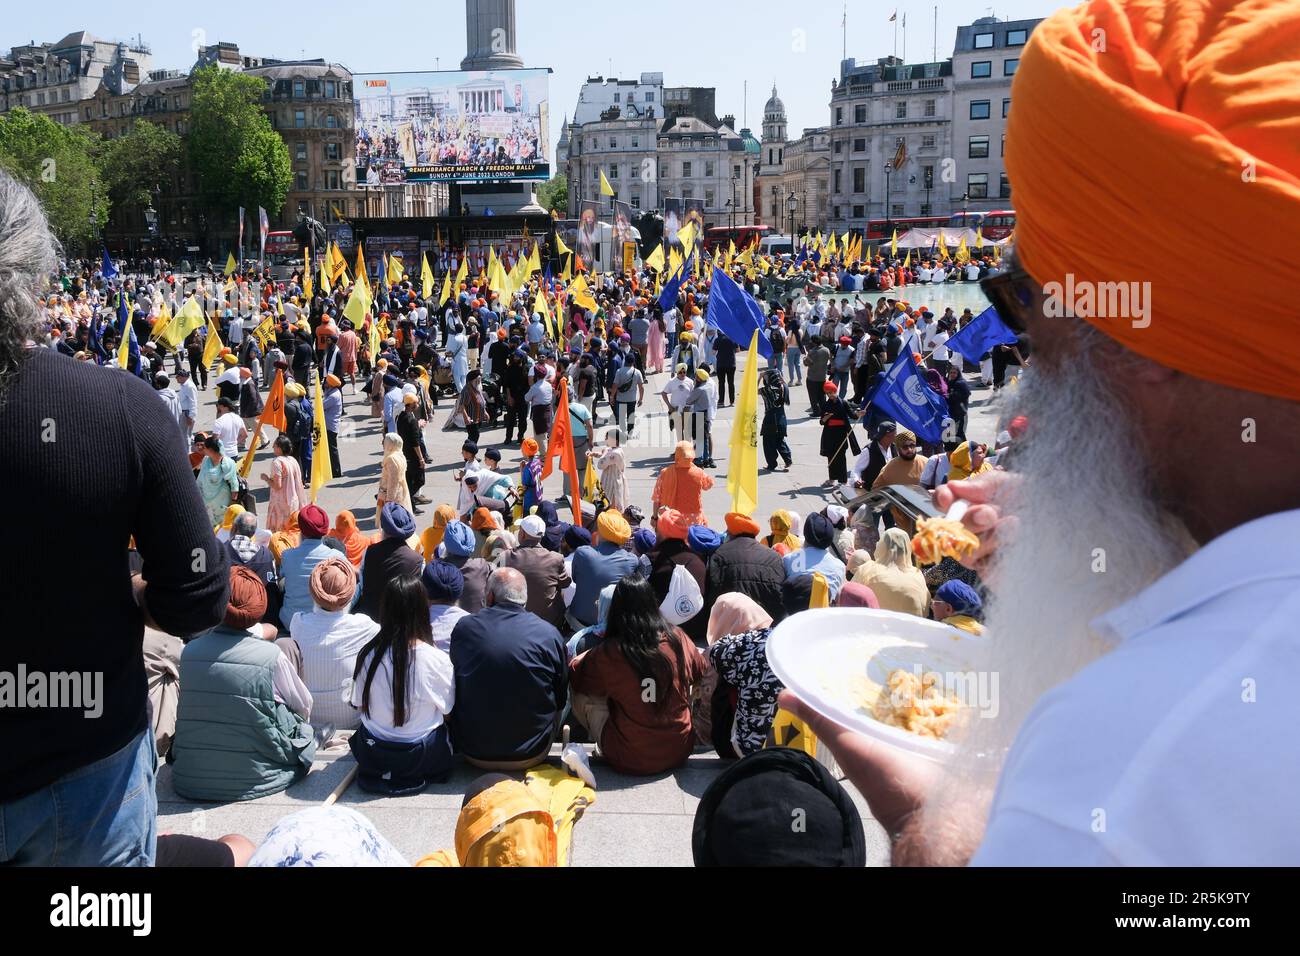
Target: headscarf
{"type": "Point", "coordinates": [936, 381]}
{"type": "Point", "coordinates": [432, 536]}
{"type": "Point", "coordinates": [735, 613]}
{"type": "Point", "coordinates": [313, 521]}
{"type": "Point", "coordinates": [333, 582]}
{"type": "Point", "coordinates": [1204, 93]}
{"type": "Point", "coordinates": [672, 525]}
{"type": "Point", "coordinates": [853, 594]}
{"type": "Point", "coordinates": [744, 817]}
{"type": "Point", "coordinates": [780, 525]}
{"type": "Point", "coordinates": [228, 519]}
{"type": "Point", "coordinates": [392, 443]}
{"type": "Point", "coordinates": [959, 463]}
{"type": "Point", "coordinates": [497, 542]}
{"type": "Point", "coordinates": [349, 535]}
{"type": "Point", "coordinates": [483, 519]}
{"type": "Point", "coordinates": [247, 601]}
{"type": "Point", "coordinates": [894, 549]}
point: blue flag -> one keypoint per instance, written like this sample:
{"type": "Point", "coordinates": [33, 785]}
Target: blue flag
{"type": "Point", "coordinates": [108, 269]}
{"type": "Point", "coordinates": [982, 333]}
{"type": "Point", "coordinates": [668, 297]}
{"type": "Point", "coordinates": [734, 311]}
{"type": "Point", "coordinates": [903, 393]}
{"type": "Point", "coordinates": [96, 345]}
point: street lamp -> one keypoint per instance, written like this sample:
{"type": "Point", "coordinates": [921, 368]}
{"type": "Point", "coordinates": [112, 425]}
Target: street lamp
{"type": "Point", "coordinates": [791, 202]}
{"type": "Point", "coordinates": [929, 184]}
{"type": "Point", "coordinates": [889, 216]}
{"type": "Point", "coordinates": [734, 182]}
{"type": "Point", "coordinates": [804, 210]}
{"type": "Point", "coordinates": [731, 204]}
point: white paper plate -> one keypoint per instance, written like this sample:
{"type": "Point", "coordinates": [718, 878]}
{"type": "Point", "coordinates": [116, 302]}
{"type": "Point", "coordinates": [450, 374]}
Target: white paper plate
{"type": "Point", "coordinates": [823, 656]}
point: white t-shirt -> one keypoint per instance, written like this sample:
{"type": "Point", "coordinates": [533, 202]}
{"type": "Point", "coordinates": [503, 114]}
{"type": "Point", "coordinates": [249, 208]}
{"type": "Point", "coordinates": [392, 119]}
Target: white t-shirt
{"type": "Point", "coordinates": [1178, 747]}
{"type": "Point", "coordinates": [940, 351]}
{"type": "Point", "coordinates": [430, 696]}
{"type": "Point", "coordinates": [227, 428]}
{"type": "Point", "coordinates": [677, 391]}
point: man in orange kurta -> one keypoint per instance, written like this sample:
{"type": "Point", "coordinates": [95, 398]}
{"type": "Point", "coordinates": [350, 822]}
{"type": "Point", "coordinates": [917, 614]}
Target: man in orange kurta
{"type": "Point", "coordinates": [682, 485]}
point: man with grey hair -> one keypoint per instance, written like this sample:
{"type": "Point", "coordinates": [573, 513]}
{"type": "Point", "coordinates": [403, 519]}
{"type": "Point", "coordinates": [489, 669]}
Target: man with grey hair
{"type": "Point", "coordinates": [136, 486]}
{"type": "Point", "coordinates": [512, 680]}
{"type": "Point", "coordinates": [242, 548]}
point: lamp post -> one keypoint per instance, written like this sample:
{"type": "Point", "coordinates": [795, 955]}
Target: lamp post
{"type": "Point", "coordinates": [929, 184]}
{"type": "Point", "coordinates": [803, 208]}
{"type": "Point", "coordinates": [735, 181]}
{"type": "Point", "coordinates": [889, 216]}
{"type": "Point", "coordinates": [791, 202]}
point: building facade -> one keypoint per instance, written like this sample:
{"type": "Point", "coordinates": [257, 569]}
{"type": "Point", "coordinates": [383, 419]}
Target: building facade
{"type": "Point", "coordinates": [624, 149]}
{"type": "Point", "coordinates": [55, 78]}
{"type": "Point", "coordinates": [798, 168]}
{"type": "Point", "coordinates": [985, 60]}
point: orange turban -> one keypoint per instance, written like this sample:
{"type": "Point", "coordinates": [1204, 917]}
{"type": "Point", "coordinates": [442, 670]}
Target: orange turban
{"type": "Point", "coordinates": [528, 447]}
{"type": "Point", "coordinates": [738, 523]}
{"type": "Point", "coordinates": [671, 524]}
{"type": "Point", "coordinates": [1132, 119]}
{"type": "Point", "coordinates": [482, 520]}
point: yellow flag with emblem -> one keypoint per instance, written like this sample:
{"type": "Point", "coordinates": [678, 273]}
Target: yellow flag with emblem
{"type": "Point", "coordinates": [590, 484]}
{"type": "Point", "coordinates": [742, 472]}
{"type": "Point", "coordinates": [396, 269]}
{"type": "Point", "coordinates": [212, 348]}
{"type": "Point", "coordinates": [361, 269]}
{"type": "Point", "coordinates": [158, 330]}
{"type": "Point", "coordinates": [231, 265]}
{"type": "Point", "coordinates": [321, 471]}
{"type": "Point", "coordinates": [787, 729]}
{"type": "Point", "coordinates": [581, 294]}
{"type": "Point", "coordinates": [461, 274]}
{"type": "Point", "coordinates": [358, 305]}
{"type": "Point", "coordinates": [655, 260]}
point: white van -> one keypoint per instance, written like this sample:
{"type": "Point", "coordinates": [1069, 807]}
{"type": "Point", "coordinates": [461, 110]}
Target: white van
{"type": "Point", "coordinates": [776, 246]}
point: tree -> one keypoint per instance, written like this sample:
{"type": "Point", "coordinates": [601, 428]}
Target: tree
{"type": "Point", "coordinates": [140, 163]}
{"type": "Point", "coordinates": [554, 194]}
{"type": "Point", "coordinates": [58, 164]}
{"type": "Point", "coordinates": [239, 158]}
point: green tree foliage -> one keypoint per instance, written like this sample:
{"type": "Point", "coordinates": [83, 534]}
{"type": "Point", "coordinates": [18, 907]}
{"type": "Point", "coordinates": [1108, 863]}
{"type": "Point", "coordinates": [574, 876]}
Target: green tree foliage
{"type": "Point", "coordinates": [58, 164]}
{"type": "Point", "coordinates": [554, 194]}
{"type": "Point", "coordinates": [239, 158]}
{"type": "Point", "coordinates": [143, 160]}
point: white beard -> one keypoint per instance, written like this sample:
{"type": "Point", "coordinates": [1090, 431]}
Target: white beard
{"type": "Point", "coordinates": [1084, 500]}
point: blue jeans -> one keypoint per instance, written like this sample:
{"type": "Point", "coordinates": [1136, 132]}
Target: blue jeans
{"type": "Point", "coordinates": [103, 814]}
{"type": "Point", "coordinates": [793, 361]}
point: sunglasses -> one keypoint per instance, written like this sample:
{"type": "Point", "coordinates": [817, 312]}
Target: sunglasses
{"type": "Point", "coordinates": [1011, 293]}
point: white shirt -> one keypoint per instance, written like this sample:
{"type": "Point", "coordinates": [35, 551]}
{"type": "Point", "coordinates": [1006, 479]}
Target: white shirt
{"type": "Point", "coordinates": [330, 642]}
{"type": "Point", "coordinates": [442, 620]}
{"type": "Point", "coordinates": [189, 399]}
{"type": "Point", "coordinates": [677, 390]}
{"type": "Point", "coordinates": [431, 695]}
{"type": "Point", "coordinates": [228, 428]}
{"type": "Point", "coordinates": [1184, 735]}
{"type": "Point", "coordinates": [940, 351]}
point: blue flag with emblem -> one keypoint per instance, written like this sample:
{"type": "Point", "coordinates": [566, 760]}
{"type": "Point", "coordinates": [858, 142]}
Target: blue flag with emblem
{"type": "Point", "coordinates": [905, 395]}
{"type": "Point", "coordinates": [980, 335]}
{"type": "Point", "coordinates": [733, 310]}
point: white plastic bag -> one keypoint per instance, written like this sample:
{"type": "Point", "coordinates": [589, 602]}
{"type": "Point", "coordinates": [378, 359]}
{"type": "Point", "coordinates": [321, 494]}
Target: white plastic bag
{"type": "Point", "coordinates": [684, 599]}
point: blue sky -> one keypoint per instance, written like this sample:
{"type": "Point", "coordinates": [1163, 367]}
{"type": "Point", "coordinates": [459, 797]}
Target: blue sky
{"type": "Point", "coordinates": [691, 43]}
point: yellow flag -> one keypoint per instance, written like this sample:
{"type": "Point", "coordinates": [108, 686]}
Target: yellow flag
{"type": "Point", "coordinates": [605, 188]}
{"type": "Point", "coordinates": [655, 260]}
{"type": "Point", "coordinates": [461, 275]}
{"type": "Point", "coordinates": [374, 339]}
{"type": "Point", "coordinates": [324, 277]}
{"type": "Point", "coordinates": [742, 472]}
{"type": "Point", "coordinates": [893, 244]}
{"type": "Point", "coordinates": [321, 471]}
{"type": "Point", "coordinates": [492, 261]}
{"type": "Point", "coordinates": [832, 247]}
{"type": "Point", "coordinates": [213, 346]}
{"type": "Point", "coordinates": [158, 329]}
{"type": "Point", "coordinates": [787, 729]}
{"type": "Point", "coordinates": [943, 248]}
{"type": "Point", "coordinates": [674, 262]}
{"type": "Point", "coordinates": [338, 265]}
{"type": "Point", "coordinates": [567, 272]}
{"type": "Point", "coordinates": [907, 262]}
{"type": "Point", "coordinates": [306, 273]}
{"type": "Point", "coordinates": [686, 236]}
{"type": "Point", "coordinates": [396, 269]}
{"type": "Point", "coordinates": [590, 483]}
{"type": "Point", "coordinates": [580, 294]}
{"type": "Point", "coordinates": [361, 269]}
{"type": "Point", "coordinates": [426, 278]}
{"type": "Point", "coordinates": [979, 237]}
{"type": "Point", "coordinates": [358, 305]}
{"type": "Point", "coordinates": [534, 261]}
{"type": "Point", "coordinates": [189, 318]}
{"type": "Point", "coordinates": [560, 248]}
{"type": "Point", "coordinates": [231, 265]}
{"type": "Point", "coordinates": [446, 288]}
{"type": "Point", "coordinates": [963, 252]}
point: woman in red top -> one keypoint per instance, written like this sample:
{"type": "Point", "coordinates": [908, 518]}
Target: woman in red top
{"type": "Point", "coordinates": [632, 691]}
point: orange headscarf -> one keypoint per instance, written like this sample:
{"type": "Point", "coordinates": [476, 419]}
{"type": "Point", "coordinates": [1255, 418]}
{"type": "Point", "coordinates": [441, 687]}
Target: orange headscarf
{"type": "Point", "coordinates": [354, 542]}
{"type": "Point", "coordinates": [1133, 120]}
{"type": "Point", "coordinates": [432, 535]}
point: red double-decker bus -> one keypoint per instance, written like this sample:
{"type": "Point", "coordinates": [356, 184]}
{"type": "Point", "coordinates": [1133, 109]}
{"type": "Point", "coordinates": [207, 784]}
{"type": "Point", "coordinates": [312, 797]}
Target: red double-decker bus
{"type": "Point", "coordinates": [878, 229]}
{"type": "Point", "coordinates": [743, 236]}
{"type": "Point", "coordinates": [997, 224]}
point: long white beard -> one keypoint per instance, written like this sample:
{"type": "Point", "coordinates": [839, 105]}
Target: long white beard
{"type": "Point", "coordinates": [1084, 504]}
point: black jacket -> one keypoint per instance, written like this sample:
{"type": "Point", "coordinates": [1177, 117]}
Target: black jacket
{"type": "Point", "coordinates": [745, 565]}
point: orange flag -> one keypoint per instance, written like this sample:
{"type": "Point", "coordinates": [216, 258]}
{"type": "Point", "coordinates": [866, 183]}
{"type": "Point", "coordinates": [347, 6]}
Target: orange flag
{"type": "Point", "coordinates": [273, 410]}
{"type": "Point", "coordinates": [561, 444]}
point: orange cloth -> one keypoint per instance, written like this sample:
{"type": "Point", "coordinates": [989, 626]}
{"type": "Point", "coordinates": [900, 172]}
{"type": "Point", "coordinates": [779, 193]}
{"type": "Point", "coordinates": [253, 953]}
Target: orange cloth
{"type": "Point", "coordinates": [433, 535]}
{"type": "Point", "coordinates": [354, 542]}
{"type": "Point", "coordinates": [682, 485]}
{"type": "Point", "coordinates": [1193, 105]}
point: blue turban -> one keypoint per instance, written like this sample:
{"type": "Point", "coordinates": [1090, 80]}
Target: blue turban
{"type": "Point", "coordinates": [458, 539]}
{"type": "Point", "coordinates": [703, 541]}
{"type": "Point", "coordinates": [963, 598]}
{"type": "Point", "coordinates": [442, 581]}
{"type": "Point", "coordinates": [396, 521]}
{"type": "Point", "coordinates": [576, 536]}
{"type": "Point", "coordinates": [643, 539]}
{"type": "Point", "coordinates": [391, 380]}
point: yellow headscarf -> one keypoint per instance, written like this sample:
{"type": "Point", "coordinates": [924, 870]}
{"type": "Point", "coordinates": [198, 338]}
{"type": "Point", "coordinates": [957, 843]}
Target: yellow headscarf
{"type": "Point", "coordinates": [505, 825]}
{"type": "Point", "coordinates": [228, 519]}
{"type": "Point", "coordinates": [781, 522]}
{"type": "Point", "coordinates": [959, 464]}
{"type": "Point", "coordinates": [432, 535]}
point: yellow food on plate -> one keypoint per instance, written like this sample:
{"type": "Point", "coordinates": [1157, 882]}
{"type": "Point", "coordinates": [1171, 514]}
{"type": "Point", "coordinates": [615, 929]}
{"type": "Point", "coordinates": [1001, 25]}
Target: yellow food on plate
{"type": "Point", "coordinates": [938, 538]}
{"type": "Point", "coordinates": [917, 703]}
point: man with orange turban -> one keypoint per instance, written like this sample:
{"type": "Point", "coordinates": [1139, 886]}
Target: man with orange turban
{"type": "Point", "coordinates": [682, 484]}
{"type": "Point", "coordinates": [1135, 578]}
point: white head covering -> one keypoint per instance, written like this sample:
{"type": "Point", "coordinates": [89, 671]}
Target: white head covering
{"type": "Point", "coordinates": [796, 524]}
{"type": "Point", "coordinates": [894, 549]}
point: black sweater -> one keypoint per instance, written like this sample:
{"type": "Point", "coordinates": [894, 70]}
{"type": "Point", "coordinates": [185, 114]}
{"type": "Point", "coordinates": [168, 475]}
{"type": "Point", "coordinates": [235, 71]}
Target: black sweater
{"type": "Point", "coordinates": [90, 459]}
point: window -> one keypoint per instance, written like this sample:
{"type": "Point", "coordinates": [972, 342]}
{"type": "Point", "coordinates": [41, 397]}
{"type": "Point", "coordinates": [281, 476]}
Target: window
{"type": "Point", "coordinates": [984, 41]}
{"type": "Point", "coordinates": [331, 89]}
{"type": "Point", "coordinates": [180, 127]}
{"type": "Point", "coordinates": [331, 122]}
{"type": "Point", "coordinates": [616, 97]}
{"type": "Point", "coordinates": [636, 142]}
{"type": "Point", "coordinates": [299, 89]}
{"type": "Point", "coordinates": [979, 109]}
{"type": "Point", "coordinates": [686, 168]}
{"type": "Point", "coordinates": [301, 180]}
{"type": "Point", "coordinates": [332, 152]}
{"type": "Point", "coordinates": [1009, 66]}
{"type": "Point", "coordinates": [650, 97]}
{"type": "Point", "coordinates": [839, 116]}
{"type": "Point", "coordinates": [977, 185]}
{"type": "Point", "coordinates": [979, 147]}
{"type": "Point", "coordinates": [860, 145]}
{"type": "Point", "coordinates": [595, 174]}
{"type": "Point", "coordinates": [1004, 187]}
{"type": "Point", "coordinates": [613, 142]}
{"type": "Point", "coordinates": [981, 69]}
{"type": "Point", "coordinates": [837, 180]}
{"type": "Point", "coordinates": [859, 180]}
{"type": "Point", "coordinates": [300, 152]}
{"type": "Point", "coordinates": [663, 172]}
{"type": "Point", "coordinates": [300, 119]}
{"type": "Point", "coordinates": [930, 108]}
{"type": "Point", "coordinates": [927, 141]}
{"type": "Point", "coordinates": [859, 114]}
{"type": "Point", "coordinates": [735, 172]}
{"type": "Point", "coordinates": [708, 198]}
{"type": "Point", "coordinates": [177, 101]}
{"type": "Point", "coordinates": [900, 110]}
{"type": "Point", "coordinates": [925, 209]}
{"type": "Point", "coordinates": [636, 200]}
{"type": "Point", "coordinates": [1006, 108]}
{"type": "Point", "coordinates": [708, 170]}
{"type": "Point", "coordinates": [859, 212]}
{"type": "Point", "coordinates": [613, 171]}
{"type": "Point", "coordinates": [1017, 37]}
{"type": "Point", "coordinates": [837, 146]}
{"type": "Point", "coordinates": [688, 193]}
{"type": "Point", "coordinates": [331, 179]}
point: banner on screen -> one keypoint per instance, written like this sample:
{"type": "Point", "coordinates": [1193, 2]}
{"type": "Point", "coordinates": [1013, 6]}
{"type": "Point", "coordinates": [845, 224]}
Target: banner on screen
{"type": "Point", "coordinates": [452, 126]}
{"type": "Point", "coordinates": [588, 235]}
